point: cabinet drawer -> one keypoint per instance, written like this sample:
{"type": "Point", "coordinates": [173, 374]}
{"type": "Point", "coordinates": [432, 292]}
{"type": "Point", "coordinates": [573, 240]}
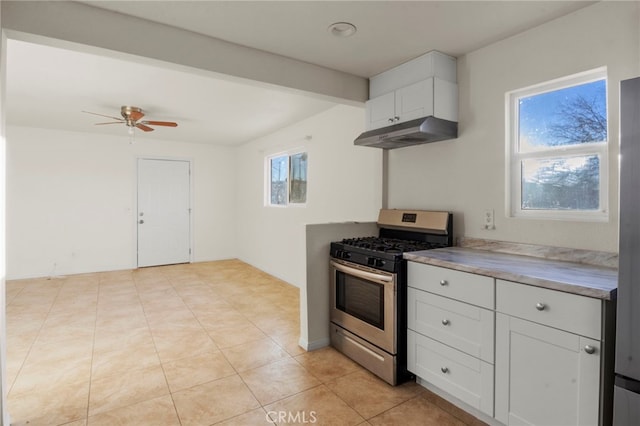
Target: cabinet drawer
{"type": "Point", "coordinates": [463, 376]}
{"type": "Point", "coordinates": [565, 311]}
{"type": "Point", "coordinates": [475, 289]}
{"type": "Point", "coordinates": [465, 327]}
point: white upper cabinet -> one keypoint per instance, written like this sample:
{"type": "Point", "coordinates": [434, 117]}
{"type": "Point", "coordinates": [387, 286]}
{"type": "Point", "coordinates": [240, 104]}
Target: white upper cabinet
{"type": "Point", "coordinates": [412, 101]}
{"type": "Point", "coordinates": [407, 103]}
{"type": "Point", "coordinates": [381, 111]}
{"type": "Point", "coordinates": [432, 64]}
{"type": "Point", "coordinates": [422, 87]}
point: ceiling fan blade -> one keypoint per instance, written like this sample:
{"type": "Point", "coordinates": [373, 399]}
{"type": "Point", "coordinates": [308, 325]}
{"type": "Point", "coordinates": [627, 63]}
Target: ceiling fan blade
{"type": "Point", "coordinates": [144, 128]}
{"type": "Point", "coordinates": [102, 115]}
{"type": "Point", "coordinates": [160, 123]}
{"type": "Point", "coordinates": [110, 122]}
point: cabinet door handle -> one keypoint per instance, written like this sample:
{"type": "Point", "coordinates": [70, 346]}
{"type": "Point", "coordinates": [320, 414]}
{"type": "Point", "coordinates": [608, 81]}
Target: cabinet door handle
{"type": "Point", "coordinates": [390, 120]}
{"type": "Point", "coordinates": [590, 349]}
{"type": "Point", "coordinates": [396, 118]}
{"type": "Point", "coordinates": [443, 282]}
{"type": "Point", "coordinates": [445, 370]}
{"type": "Point", "coordinates": [445, 322]}
{"type": "Point", "coordinates": [541, 306]}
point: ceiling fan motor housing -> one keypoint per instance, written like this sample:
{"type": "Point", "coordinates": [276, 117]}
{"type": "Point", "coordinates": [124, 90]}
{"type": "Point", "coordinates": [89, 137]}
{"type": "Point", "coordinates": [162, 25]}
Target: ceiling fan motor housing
{"type": "Point", "coordinates": [131, 114]}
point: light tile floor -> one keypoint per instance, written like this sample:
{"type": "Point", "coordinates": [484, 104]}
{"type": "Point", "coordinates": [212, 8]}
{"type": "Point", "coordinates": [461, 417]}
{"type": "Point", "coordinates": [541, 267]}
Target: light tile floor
{"type": "Point", "coordinates": [197, 344]}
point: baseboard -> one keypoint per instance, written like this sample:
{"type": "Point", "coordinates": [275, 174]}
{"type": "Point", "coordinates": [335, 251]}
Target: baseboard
{"type": "Point", "coordinates": [312, 346]}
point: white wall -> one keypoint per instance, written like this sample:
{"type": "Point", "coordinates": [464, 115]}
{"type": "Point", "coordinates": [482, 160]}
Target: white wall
{"type": "Point", "coordinates": [467, 175]}
{"type": "Point", "coordinates": [344, 184]}
{"type": "Point", "coordinates": [71, 200]}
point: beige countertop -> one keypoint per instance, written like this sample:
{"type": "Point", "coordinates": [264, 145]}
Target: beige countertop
{"type": "Point", "coordinates": [577, 278]}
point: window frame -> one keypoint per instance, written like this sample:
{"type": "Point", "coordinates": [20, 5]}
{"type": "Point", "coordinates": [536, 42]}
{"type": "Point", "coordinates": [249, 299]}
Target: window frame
{"type": "Point", "coordinates": [267, 178]}
{"type": "Point", "coordinates": [514, 157]}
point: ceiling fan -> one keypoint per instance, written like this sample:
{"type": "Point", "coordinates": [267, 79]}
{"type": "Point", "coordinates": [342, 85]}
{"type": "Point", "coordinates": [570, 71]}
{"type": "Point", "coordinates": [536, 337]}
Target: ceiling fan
{"type": "Point", "coordinates": [131, 116]}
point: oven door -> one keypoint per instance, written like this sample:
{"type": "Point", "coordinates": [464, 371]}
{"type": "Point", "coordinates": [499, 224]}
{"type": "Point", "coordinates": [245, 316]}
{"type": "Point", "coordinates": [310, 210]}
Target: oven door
{"type": "Point", "coordinates": [363, 301]}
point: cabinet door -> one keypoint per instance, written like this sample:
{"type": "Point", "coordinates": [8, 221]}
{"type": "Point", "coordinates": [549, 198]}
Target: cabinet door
{"type": "Point", "coordinates": [545, 376]}
{"type": "Point", "coordinates": [414, 101]}
{"type": "Point", "coordinates": [380, 110]}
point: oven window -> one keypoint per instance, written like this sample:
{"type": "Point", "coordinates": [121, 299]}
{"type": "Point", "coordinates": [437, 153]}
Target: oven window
{"type": "Point", "coordinates": [360, 298]}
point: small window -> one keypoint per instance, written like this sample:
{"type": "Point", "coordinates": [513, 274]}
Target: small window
{"type": "Point", "coordinates": [287, 179]}
{"type": "Point", "coordinates": [557, 149]}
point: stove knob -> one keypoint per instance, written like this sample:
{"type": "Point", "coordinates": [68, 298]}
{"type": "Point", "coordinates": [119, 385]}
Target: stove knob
{"type": "Point", "coordinates": [379, 263]}
{"type": "Point", "coordinates": [371, 261]}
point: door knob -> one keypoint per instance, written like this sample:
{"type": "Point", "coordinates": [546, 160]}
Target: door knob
{"type": "Point", "coordinates": [141, 221]}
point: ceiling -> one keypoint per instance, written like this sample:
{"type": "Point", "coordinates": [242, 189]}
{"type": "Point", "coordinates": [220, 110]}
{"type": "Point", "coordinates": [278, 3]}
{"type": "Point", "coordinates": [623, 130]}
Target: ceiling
{"type": "Point", "coordinates": [229, 112]}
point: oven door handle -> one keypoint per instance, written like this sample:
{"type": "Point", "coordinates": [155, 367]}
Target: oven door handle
{"type": "Point", "coordinates": [362, 274]}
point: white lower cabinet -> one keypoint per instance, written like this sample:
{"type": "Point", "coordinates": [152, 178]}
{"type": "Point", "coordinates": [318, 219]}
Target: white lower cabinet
{"type": "Point", "coordinates": [450, 336]}
{"type": "Point", "coordinates": [521, 354]}
{"type": "Point", "coordinates": [548, 356]}
{"type": "Point", "coordinates": [545, 376]}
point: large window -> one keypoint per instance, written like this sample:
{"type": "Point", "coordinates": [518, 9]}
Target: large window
{"type": "Point", "coordinates": [557, 148]}
{"type": "Point", "coordinates": [286, 179]}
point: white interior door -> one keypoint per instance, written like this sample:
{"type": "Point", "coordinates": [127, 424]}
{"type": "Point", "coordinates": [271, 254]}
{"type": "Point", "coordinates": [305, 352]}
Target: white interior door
{"type": "Point", "coordinates": [163, 212]}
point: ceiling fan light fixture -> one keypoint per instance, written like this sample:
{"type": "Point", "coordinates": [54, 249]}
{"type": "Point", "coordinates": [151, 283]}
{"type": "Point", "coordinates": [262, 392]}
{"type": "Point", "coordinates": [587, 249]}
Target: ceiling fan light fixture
{"type": "Point", "coordinates": [342, 29]}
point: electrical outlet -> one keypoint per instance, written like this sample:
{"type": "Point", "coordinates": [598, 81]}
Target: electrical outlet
{"type": "Point", "coordinates": [489, 219]}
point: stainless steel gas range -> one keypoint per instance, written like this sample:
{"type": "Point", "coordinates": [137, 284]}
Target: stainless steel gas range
{"type": "Point", "coordinates": [369, 288]}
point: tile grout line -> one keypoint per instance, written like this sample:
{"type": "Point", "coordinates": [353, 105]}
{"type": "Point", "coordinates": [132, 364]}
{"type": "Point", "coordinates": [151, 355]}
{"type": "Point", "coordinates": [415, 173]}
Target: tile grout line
{"type": "Point", "coordinates": [93, 347]}
{"type": "Point", "coordinates": [36, 338]}
{"type": "Point", "coordinates": [144, 312]}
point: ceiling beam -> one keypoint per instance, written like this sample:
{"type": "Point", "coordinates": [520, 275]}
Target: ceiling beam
{"type": "Point", "coordinates": [83, 27]}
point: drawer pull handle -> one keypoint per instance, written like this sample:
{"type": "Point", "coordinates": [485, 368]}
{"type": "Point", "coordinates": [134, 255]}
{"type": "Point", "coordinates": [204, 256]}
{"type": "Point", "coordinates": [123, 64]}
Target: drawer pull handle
{"type": "Point", "coordinates": [445, 322]}
{"type": "Point", "coordinates": [541, 306]}
{"type": "Point", "coordinates": [443, 282]}
{"type": "Point", "coordinates": [590, 349]}
{"type": "Point", "coordinates": [445, 370]}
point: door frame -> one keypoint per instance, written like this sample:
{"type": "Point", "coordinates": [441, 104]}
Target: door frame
{"type": "Point", "coordinates": [134, 212]}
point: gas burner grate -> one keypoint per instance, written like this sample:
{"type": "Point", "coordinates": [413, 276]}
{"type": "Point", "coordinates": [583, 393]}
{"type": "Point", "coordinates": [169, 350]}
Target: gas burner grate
{"type": "Point", "coordinates": [390, 245]}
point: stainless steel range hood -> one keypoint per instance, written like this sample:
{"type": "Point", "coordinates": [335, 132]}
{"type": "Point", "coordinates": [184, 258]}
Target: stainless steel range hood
{"type": "Point", "coordinates": [413, 132]}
